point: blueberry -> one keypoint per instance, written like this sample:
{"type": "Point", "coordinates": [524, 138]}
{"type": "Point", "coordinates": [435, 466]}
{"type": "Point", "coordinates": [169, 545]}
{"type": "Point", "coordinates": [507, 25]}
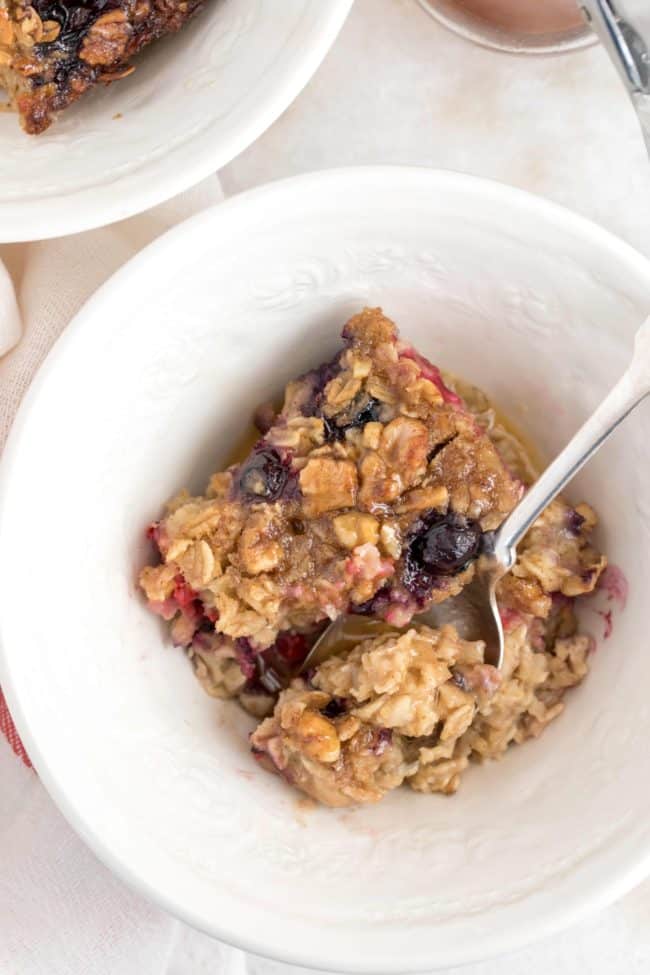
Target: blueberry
{"type": "Point", "coordinates": [448, 544]}
{"type": "Point", "coordinates": [334, 708]}
{"type": "Point", "coordinates": [366, 413]}
{"type": "Point", "coordinates": [376, 605]}
{"type": "Point", "coordinates": [73, 20]}
{"type": "Point", "coordinates": [441, 545]}
{"type": "Point", "coordinates": [264, 476]}
{"type": "Point", "coordinates": [363, 410]}
{"type": "Point", "coordinates": [318, 380]}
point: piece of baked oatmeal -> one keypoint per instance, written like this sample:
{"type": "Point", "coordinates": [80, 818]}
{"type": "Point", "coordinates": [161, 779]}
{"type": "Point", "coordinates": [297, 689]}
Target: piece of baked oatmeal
{"type": "Point", "coordinates": [52, 51]}
{"type": "Point", "coordinates": [369, 492]}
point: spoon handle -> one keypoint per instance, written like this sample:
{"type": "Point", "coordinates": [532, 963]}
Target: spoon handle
{"type": "Point", "coordinates": [628, 392]}
{"type": "Point", "coordinates": [624, 31]}
{"type": "Point", "coordinates": [621, 28]}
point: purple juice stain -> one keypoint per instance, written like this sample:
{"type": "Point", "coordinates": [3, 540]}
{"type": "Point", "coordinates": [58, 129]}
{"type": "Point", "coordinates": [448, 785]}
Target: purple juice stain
{"type": "Point", "coordinates": [574, 522]}
{"type": "Point", "coordinates": [383, 739]}
{"type": "Point", "coordinates": [246, 658]}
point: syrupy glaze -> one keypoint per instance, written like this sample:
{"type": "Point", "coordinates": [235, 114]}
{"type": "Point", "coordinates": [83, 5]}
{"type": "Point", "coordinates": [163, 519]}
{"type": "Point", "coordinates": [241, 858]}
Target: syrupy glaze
{"type": "Point", "coordinates": [525, 16]}
{"type": "Point", "coordinates": [243, 447]}
{"type": "Point", "coordinates": [261, 421]}
{"type": "Point", "coordinates": [531, 448]}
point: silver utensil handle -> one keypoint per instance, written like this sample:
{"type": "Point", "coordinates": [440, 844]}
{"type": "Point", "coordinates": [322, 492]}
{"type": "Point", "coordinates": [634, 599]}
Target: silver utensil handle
{"type": "Point", "coordinates": [629, 391]}
{"type": "Point", "coordinates": [623, 27]}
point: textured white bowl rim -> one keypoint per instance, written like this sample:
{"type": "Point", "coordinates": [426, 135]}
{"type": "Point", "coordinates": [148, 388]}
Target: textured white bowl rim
{"type": "Point", "coordinates": [605, 890]}
{"type": "Point", "coordinates": [87, 209]}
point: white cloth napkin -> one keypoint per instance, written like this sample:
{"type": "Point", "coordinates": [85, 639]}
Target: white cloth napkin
{"type": "Point", "coordinates": [61, 911]}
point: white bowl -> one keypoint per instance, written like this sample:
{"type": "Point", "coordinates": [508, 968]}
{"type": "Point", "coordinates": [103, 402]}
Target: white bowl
{"type": "Point", "coordinates": [147, 391]}
{"type": "Point", "coordinates": [195, 101]}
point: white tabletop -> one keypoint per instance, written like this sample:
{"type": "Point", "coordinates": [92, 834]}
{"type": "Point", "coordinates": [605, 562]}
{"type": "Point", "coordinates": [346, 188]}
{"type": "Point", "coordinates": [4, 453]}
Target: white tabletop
{"type": "Point", "coordinates": [397, 88]}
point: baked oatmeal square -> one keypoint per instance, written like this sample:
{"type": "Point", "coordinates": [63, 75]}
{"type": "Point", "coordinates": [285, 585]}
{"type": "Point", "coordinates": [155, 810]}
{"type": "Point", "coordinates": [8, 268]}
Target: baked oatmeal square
{"type": "Point", "coordinates": [368, 492]}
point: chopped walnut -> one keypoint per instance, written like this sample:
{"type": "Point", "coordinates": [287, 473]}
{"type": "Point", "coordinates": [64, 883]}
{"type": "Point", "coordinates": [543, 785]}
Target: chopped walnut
{"type": "Point", "coordinates": [404, 447]}
{"type": "Point", "coordinates": [107, 39]}
{"type": "Point", "coordinates": [328, 484]}
{"type": "Point", "coordinates": [355, 528]}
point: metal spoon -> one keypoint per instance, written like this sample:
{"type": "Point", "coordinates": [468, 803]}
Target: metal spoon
{"type": "Point", "coordinates": [475, 612]}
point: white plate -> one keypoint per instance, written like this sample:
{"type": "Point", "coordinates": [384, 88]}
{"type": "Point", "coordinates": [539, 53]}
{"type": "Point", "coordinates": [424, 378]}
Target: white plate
{"type": "Point", "coordinates": [147, 391]}
{"type": "Point", "coordinates": [195, 101]}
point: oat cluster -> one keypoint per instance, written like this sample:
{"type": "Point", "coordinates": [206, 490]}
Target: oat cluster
{"type": "Point", "coordinates": [412, 709]}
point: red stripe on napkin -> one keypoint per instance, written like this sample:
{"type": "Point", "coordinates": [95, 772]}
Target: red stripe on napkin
{"type": "Point", "coordinates": [8, 729]}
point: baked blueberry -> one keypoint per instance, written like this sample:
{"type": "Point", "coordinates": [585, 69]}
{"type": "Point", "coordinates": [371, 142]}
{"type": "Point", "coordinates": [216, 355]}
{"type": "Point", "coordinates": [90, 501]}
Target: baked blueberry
{"type": "Point", "coordinates": [442, 545]}
{"type": "Point", "coordinates": [364, 410]}
{"type": "Point", "coordinates": [264, 476]}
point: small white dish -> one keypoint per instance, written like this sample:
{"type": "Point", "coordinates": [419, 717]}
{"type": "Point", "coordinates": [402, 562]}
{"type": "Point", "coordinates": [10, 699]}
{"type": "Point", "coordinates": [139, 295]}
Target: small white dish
{"type": "Point", "coordinates": [147, 391]}
{"type": "Point", "coordinates": [195, 101]}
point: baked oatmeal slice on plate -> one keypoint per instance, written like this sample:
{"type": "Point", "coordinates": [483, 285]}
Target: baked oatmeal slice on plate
{"type": "Point", "coordinates": [52, 51]}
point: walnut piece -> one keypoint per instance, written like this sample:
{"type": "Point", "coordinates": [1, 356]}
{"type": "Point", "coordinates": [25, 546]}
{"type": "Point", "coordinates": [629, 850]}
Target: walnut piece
{"type": "Point", "coordinates": [107, 39]}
